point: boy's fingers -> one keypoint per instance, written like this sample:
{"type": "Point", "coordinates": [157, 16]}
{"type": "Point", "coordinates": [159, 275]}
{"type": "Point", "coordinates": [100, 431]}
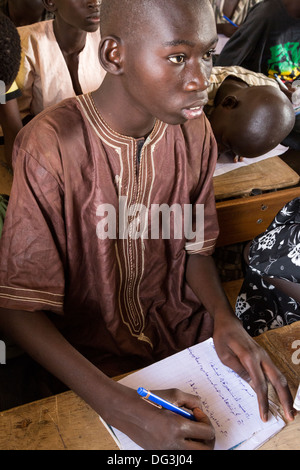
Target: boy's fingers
{"type": "Point", "coordinates": [201, 416]}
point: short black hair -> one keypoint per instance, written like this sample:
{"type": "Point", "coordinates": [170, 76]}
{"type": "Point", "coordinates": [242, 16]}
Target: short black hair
{"type": "Point", "coordinates": [129, 8]}
{"type": "Point", "coordinates": [10, 50]}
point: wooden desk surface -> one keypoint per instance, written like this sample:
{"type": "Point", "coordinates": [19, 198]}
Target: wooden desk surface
{"type": "Point", "coordinates": [270, 174]}
{"type": "Point", "coordinates": [67, 422]}
{"type": "Point", "coordinates": [241, 216]}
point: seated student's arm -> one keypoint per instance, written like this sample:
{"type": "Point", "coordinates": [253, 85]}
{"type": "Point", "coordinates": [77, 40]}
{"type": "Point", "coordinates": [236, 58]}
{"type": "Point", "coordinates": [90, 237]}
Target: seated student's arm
{"type": "Point", "coordinates": [226, 28]}
{"type": "Point", "coordinates": [120, 406]}
{"type": "Point", "coordinates": [234, 346]}
{"type": "Point", "coordinates": [11, 123]}
{"type": "Point", "coordinates": [241, 47]}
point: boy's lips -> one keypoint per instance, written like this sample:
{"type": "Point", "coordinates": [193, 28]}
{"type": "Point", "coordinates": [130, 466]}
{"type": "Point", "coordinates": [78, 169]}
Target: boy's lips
{"type": "Point", "coordinates": [95, 17]}
{"type": "Point", "coordinates": [193, 112]}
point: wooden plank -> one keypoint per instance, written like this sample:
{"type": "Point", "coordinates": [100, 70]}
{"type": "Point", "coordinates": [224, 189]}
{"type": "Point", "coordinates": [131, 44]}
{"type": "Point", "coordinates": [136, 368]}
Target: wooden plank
{"type": "Point", "coordinates": [243, 219]}
{"type": "Point", "coordinates": [62, 422]}
{"type": "Point", "coordinates": [66, 422]}
{"type": "Point", "coordinates": [280, 345]}
{"type": "Point", "coordinates": [265, 175]}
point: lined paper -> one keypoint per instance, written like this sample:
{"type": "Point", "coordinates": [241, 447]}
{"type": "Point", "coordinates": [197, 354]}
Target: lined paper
{"type": "Point", "coordinates": [225, 163]}
{"type": "Point", "coordinates": [229, 402]}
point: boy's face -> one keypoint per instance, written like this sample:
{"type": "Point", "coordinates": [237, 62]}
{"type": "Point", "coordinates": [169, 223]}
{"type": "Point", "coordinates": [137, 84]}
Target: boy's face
{"type": "Point", "coordinates": [167, 70]}
{"type": "Point", "coordinates": [81, 14]}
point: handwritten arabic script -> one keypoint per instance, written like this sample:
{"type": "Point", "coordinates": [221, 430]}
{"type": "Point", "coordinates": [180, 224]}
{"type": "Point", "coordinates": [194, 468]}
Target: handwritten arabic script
{"type": "Point", "coordinates": [229, 402]}
{"type": "Point", "coordinates": [221, 391]}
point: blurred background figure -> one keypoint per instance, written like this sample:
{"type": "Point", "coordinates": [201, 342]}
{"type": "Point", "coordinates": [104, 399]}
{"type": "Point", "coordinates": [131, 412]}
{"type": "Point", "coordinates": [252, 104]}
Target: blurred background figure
{"type": "Point", "coordinates": [10, 57]}
{"type": "Point", "coordinates": [24, 12]}
{"type": "Point", "coordinates": [235, 10]}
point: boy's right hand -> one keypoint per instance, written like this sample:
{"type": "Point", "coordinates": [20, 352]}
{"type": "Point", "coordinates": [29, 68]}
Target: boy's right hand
{"type": "Point", "coordinates": [160, 429]}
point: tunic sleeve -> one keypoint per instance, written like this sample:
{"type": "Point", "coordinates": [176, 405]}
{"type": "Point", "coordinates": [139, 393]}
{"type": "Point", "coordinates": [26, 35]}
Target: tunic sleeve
{"type": "Point", "coordinates": [33, 247]}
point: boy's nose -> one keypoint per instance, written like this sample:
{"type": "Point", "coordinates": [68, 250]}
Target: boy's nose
{"type": "Point", "coordinates": [198, 83]}
{"type": "Point", "coordinates": [94, 4]}
{"type": "Point", "coordinates": [198, 79]}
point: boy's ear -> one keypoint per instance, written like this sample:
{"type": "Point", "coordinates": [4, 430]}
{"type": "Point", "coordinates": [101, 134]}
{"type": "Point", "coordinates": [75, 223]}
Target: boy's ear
{"type": "Point", "coordinates": [110, 55]}
{"type": "Point", "coordinates": [50, 5]}
{"type": "Point", "coordinates": [229, 102]}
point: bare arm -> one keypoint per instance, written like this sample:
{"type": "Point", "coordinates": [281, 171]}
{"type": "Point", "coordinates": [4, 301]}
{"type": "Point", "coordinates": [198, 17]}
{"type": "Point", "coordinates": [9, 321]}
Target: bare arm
{"type": "Point", "coordinates": [234, 346]}
{"type": "Point", "coordinates": [120, 406]}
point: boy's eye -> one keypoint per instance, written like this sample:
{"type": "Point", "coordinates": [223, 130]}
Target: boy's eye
{"type": "Point", "coordinates": [177, 59]}
{"type": "Point", "coordinates": [209, 54]}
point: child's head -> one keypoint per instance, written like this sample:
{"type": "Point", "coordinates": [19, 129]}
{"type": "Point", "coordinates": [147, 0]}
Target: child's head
{"type": "Point", "coordinates": [79, 14]}
{"type": "Point", "coordinates": [158, 56]}
{"type": "Point", "coordinates": [24, 12]}
{"type": "Point", "coordinates": [251, 121]}
{"type": "Point", "coordinates": [10, 51]}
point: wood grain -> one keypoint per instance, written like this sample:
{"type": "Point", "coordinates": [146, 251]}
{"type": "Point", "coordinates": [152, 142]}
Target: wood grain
{"type": "Point", "coordinates": [67, 422]}
{"type": "Point", "coordinates": [265, 175]}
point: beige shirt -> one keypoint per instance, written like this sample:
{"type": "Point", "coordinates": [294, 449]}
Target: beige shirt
{"type": "Point", "coordinates": [44, 78]}
{"type": "Point", "coordinates": [219, 74]}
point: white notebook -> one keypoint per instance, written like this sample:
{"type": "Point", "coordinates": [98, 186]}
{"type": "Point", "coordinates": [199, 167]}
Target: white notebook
{"type": "Point", "coordinates": [229, 402]}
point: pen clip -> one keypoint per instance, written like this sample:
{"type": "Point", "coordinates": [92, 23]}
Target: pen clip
{"type": "Point", "coordinates": [151, 403]}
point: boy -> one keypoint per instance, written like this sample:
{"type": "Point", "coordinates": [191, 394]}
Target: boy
{"type": "Point", "coordinates": [248, 112]}
{"type": "Point", "coordinates": [125, 301]}
{"type": "Point", "coordinates": [68, 45]}
{"type": "Point", "coordinates": [269, 42]}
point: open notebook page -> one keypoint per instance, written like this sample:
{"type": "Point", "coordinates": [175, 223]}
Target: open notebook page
{"type": "Point", "coordinates": [230, 403]}
{"type": "Point", "coordinates": [225, 163]}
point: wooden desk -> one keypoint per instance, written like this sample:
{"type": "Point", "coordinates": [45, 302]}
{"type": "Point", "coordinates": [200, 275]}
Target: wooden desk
{"type": "Point", "coordinates": [243, 216]}
{"type": "Point", "coordinates": [66, 422]}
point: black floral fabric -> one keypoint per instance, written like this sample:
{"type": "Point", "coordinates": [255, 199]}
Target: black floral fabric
{"type": "Point", "coordinates": [275, 253]}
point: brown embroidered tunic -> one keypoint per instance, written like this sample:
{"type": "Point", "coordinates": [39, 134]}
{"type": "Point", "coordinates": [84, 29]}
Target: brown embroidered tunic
{"type": "Point", "coordinates": [122, 299]}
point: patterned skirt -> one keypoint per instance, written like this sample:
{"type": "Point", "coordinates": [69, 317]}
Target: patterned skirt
{"type": "Point", "coordinates": [275, 254]}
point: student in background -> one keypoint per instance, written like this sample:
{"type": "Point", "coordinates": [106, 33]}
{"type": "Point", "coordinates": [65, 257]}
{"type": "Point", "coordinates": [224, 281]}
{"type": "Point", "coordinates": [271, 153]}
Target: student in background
{"type": "Point", "coordinates": [24, 12]}
{"type": "Point", "coordinates": [270, 294]}
{"type": "Point", "coordinates": [235, 10]}
{"type": "Point", "coordinates": [10, 54]}
{"type": "Point", "coordinates": [269, 42]}
{"type": "Point", "coordinates": [60, 56]}
{"type": "Point", "coordinates": [88, 304]}
{"type": "Point", "coordinates": [244, 109]}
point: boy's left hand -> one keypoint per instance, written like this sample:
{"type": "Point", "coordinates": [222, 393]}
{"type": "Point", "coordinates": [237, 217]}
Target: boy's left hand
{"type": "Point", "coordinates": [243, 354]}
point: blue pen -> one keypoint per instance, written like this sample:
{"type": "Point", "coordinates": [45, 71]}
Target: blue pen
{"type": "Point", "coordinates": [229, 21]}
{"type": "Point", "coordinates": [278, 80]}
{"type": "Point", "coordinates": [148, 396]}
